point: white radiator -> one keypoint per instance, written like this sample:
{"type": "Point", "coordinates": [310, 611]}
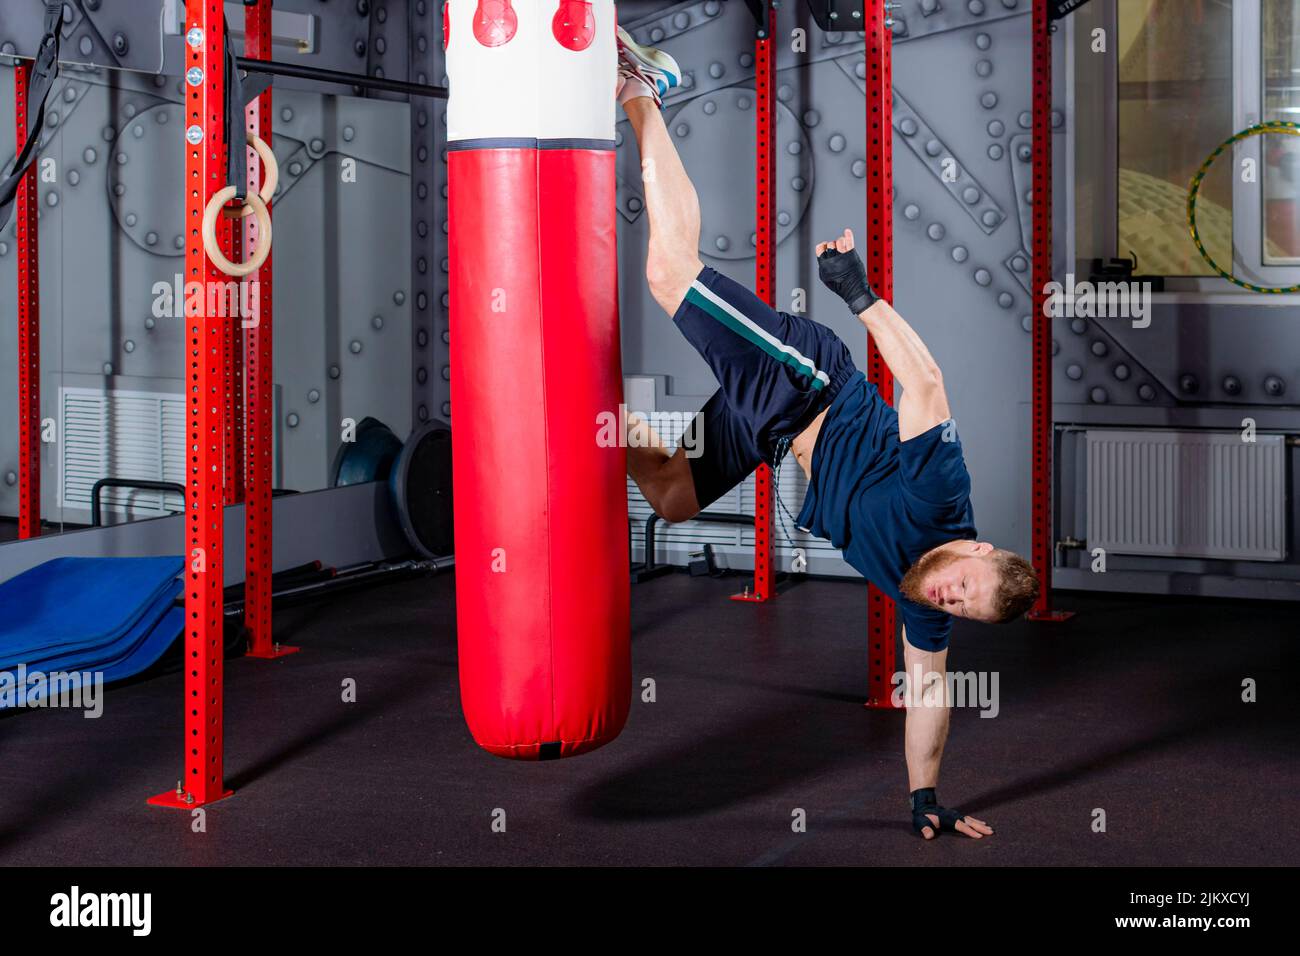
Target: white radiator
{"type": "Point", "coordinates": [121, 434]}
{"type": "Point", "coordinates": [1188, 494]}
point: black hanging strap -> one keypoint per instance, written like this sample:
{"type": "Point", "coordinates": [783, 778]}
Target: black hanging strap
{"type": "Point", "coordinates": [236, 130]}
{"type": "Point", "coordinates": [44, 72]}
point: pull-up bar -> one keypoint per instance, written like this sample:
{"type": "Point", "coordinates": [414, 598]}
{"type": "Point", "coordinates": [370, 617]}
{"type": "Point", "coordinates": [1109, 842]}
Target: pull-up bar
{"type": "Point", "coordinates": [300, 72]}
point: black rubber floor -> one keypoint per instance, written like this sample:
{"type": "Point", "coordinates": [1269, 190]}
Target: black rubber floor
{"type": "Point", "coordinates": [1133, 709]}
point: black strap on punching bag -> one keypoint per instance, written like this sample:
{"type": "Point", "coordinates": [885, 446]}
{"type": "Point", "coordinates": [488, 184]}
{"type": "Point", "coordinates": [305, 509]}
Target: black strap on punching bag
{"type": "Point", "coordinates": [44, 72]}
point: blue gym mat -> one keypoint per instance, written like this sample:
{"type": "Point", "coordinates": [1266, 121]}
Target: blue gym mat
{"type": "Point", "coordinates": [142, 654]}
{"type": "Point", "coordinates": [64, 658]}
{"type": "Point", "coordinates": [112, 616]}
{"type": "Point", "coordinates": [72, 602]}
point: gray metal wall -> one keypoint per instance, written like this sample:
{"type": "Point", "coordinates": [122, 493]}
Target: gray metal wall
{"type": "Point", "coordinates": [345, 259]}
{"type": "Point", "coordinates": [337, 527]}
{"type": "Point", "coordinates": [347, 285]}
{"type": "Point", "coordinates": [961, 76]}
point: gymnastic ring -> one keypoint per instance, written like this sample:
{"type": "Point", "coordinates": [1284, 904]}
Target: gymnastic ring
{"type": "Point", "coordinates": [1259, 129]}
{"type": "Point", "coordinates": [213, 248]}
{"type": "Point", "coordinates": [270, 182]}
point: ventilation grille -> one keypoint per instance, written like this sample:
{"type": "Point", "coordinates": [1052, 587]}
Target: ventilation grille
{"type": "Point", "coordinates": [1187, 494]}
{"type": "Point", "coordinates": [674, 541]}
{"type": "Point", "coordinates": [121, 434]}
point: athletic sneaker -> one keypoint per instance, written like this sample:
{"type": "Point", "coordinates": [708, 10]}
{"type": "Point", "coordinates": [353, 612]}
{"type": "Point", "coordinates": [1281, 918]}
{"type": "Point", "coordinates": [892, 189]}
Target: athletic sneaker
{"type": "Point", "coordinates": [653, 69]}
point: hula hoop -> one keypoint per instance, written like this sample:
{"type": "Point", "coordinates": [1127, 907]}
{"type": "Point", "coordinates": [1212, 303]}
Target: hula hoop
{"type": "Point", "coordinates": [1259, 129]}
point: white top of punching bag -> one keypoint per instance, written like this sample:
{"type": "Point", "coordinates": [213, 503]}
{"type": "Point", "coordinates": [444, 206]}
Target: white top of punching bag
{"type": "Point", "coordinates": [531, 85]}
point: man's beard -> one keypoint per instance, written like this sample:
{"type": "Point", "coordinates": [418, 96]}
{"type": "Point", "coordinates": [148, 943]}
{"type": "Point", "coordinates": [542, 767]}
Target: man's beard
{"type": "Point", "coordinates": [912, 586]}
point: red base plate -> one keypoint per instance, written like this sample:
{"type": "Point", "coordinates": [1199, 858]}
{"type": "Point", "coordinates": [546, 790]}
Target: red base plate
{"type": "Point", "coordinates": [749, 597]}
{"type": "Point", "coordinates": [886, 704]}
{"type": "Point", "coordinates": [284, 650]}
{"type": "Point", "coordinates": [177, 801]}
{"type": "Point", "coordinates": [1050, 615]}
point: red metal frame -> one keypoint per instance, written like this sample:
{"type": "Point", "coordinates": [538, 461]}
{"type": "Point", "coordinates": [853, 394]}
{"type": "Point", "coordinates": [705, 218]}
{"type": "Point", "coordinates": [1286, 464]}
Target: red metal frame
{"type": "Point", "coordinates": [233, 432]}
{"type": "Point", "coordinates": [879, 242]}
{"type": "Point", "coordinates": [1041, 483]}
{"type": "Point", "coordinates": [205, 378]}
{"type": "Point", "coordinates": [233, 388]}
{"type": "Point", "coordinates": [764, 284]}
{"type": "Point", "coordinates": [233, 469]}
{"type": "Point", "coordinates": [29, 324]}
{"type": "Point", "coordinates": [256, 356]}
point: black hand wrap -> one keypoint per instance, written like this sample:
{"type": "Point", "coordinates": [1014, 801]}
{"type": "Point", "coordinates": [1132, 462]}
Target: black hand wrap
{"type": "Point", "coordinates": [924, 802]}
{"type": "Point", "coordinates": [844, 274]}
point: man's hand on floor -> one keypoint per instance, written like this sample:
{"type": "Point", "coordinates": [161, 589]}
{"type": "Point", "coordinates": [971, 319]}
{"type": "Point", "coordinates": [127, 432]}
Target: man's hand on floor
{"type": "Point", "coordinates": [928, 818]}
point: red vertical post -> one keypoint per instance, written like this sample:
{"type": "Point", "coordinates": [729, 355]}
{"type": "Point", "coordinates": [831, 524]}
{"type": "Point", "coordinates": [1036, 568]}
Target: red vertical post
{"type": "Point", "coordinates": [233, 387]}
{"type": "Point", "coordinates": [881, 641]}
{"type": "Point", "coordinates": [257, 378]}
{"type": "Point", "coordinates": [234, 390]}
{"type": "Point", "coordinates": [1040, 479]}
{"type": "Point", "coordinates": [764, 280]}
{"type": "Point", "coordinates": [205, 376]}
{"type": "Point", "coordinates": [29, 324]}
{"type": "Point", "coordinates": [237, 249]}
{"type": "Point", "coordinates": [232, 382]}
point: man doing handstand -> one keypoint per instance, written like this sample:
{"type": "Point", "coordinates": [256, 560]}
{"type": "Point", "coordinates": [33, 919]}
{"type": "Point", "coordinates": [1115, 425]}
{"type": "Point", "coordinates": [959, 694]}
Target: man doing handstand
{"type": "Point", "coordinates": [888, 487]}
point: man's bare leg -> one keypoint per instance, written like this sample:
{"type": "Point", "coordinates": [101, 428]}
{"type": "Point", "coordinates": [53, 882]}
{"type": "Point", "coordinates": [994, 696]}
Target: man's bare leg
{"type": "Point", "coordinates": [664, 477]}
{"type": "Point", "coordinates": [672, 260]}
{"type": "Point", "coordinates": [672, 263]}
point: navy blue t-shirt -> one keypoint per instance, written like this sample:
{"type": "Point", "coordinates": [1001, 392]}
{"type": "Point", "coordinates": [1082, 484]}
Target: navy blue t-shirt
{"type": "Point", "coordinates": [885, 503]}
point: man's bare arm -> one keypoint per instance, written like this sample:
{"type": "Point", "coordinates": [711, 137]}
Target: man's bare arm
{"type": "Point", "coordinates": [926, 730]}
{"type": "Point", "coordinates": [924, 403]}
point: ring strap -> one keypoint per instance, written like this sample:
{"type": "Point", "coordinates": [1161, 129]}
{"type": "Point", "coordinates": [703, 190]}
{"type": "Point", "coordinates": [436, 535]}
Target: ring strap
{"type": "Point", "coordinates": [44, 71]}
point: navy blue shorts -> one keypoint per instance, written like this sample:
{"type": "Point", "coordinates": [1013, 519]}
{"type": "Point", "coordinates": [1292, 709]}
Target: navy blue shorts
{"type": "Point", "coordinates": [777, 372]}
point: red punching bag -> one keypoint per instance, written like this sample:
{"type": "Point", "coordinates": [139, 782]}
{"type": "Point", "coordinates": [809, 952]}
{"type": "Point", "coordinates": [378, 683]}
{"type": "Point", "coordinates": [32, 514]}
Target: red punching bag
{"type": "Point", "coordinates": [541, 497]}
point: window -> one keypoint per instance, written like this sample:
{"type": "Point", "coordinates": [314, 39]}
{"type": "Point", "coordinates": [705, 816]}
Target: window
{"type": "Point", "coordinates": [1174, 107]}
{"type": "Point", "coordinates": [1176, 80]}
{"type": "Point", "coordinates": [1280, 170]}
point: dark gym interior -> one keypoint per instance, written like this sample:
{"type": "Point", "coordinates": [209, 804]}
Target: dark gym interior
{"type": "Point", "coordinates": [244, 620]}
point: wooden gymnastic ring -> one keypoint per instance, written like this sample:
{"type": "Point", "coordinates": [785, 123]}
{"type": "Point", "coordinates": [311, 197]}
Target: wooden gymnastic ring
{"type": "Point", "coordinates": [270, 181]}
{"type": "Point", "coordinates": [213, 248]}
